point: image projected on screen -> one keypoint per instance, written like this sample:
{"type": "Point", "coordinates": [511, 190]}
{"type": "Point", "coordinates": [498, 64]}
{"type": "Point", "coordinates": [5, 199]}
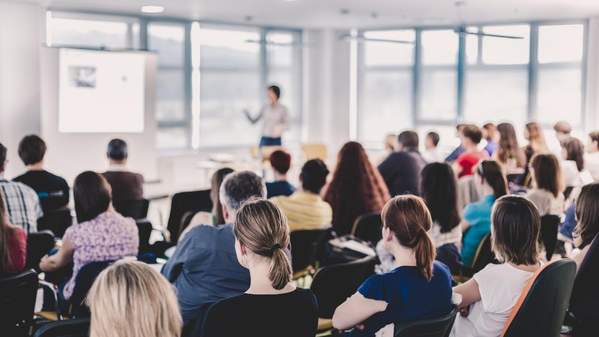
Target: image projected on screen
{"type": "Point", "coordinates": [101, 91]}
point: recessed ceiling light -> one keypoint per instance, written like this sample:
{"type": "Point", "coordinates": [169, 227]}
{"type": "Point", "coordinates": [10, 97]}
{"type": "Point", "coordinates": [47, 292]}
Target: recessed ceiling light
{"type": "Point", "coordinates": [152, 9]}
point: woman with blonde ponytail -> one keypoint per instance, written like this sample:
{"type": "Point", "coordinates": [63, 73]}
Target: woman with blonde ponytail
{"type": "Point", "coordinates": [272, 306]}
{"type": "Point", "coordinates": [418, 288]}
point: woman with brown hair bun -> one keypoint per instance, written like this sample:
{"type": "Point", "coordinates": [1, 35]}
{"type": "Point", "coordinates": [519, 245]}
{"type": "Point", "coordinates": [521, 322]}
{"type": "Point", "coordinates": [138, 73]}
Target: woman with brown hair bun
{"type": "Point", "coordinates": [356, 188]}
{"type": "Point", "coordinates": [418, 288]}
{"type": "Point", "coordinates": [272, 306]}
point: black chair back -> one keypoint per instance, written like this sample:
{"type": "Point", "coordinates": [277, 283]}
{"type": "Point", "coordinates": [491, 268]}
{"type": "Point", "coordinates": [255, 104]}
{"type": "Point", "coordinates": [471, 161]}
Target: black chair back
{"type": "Point", "coordinates": [368, 227]}
{"type": "Point", "coordinates": [438, 327]}
{"type": "Point", "coordinates": [38, 245]}
{"type": "Point", "coordinates": [83, 283]}
{"type": "Point", "coordinates": [184, 202]}
{"type": "Point", "coordinates": [548, 235]}
{"type": "Point", "coordinates": [56, 221]}
{"type": "Point", "coordinates": [585, 294]}
{"type": "Point", "coordinates": [304, 244]}
{"type": "Point", "coordinates": [68, 328]}
{"type": "Point", "coordinates": [334, 284]}
{"type": "Point", "coordinates": [136, 209]}
{"type": "Point", "coordinates": [144, 229]}
{"type": "Point", "coordinates": [17, 303]}
{"type": "Point", "coordinates": [542, 311]}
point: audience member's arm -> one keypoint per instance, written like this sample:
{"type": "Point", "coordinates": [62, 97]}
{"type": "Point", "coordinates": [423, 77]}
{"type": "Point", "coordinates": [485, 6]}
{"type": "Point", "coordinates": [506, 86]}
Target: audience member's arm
{"type": "Point", "coordinates": [470, 293]}
{"type": "Point", "coordinates": [61, 259]}
{"type": "Point", "coordinates": [356, 310]}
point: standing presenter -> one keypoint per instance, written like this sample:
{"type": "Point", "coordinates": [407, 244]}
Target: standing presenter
{"type": "Point", "coordinates": [275, 118]}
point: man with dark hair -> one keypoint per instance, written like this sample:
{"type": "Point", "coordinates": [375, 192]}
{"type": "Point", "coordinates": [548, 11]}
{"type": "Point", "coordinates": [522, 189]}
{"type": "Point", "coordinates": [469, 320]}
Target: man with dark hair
{"type": "Point", "coordinates": [275, 118]}
{"type": "Point", "coordinates": [305, 209]}
{"type": "Point", "coordinates": [401, 169]}
{"type": "Point", "coordinates": [431, 146]}
{"type": "Point", "coordinates": [52, 190]}
{"type": "Point", "coordinates": [22, 203]}
{"type": "Point", "coordinates": [280, 161]}
{"type": "Point", "coordinates": [204, 267]}
{"type": "Point", "coordinates": [466, 162]}
{"type": "Point", "coordinates": [126, 185]}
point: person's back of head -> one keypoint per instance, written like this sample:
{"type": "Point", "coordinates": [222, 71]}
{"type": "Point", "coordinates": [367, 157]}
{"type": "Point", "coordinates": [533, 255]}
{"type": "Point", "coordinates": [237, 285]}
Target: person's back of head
{"type": "Point", "coordinates": [432, 140]}
{"type": "Point", "coordinates": [131, 299]}
{"type": "Point", "coordinates": [408, 220]}
{"type": "Point", "coordinates": [280, 161]}
{"type": "Point", "coordinates": [574, 150]}
{"type": "Point", "coordinates": [92, 195]}
{"type": "Point", "coordinates": [515, 230]}
{"type": "Point", "coordinates": [32, 149]}
{"type": "Point", "coordinates": [547, 174]}
{"type": "Point", "coordinates": [472, 133]}
{"type": "Point", "coordinates": [3, 152]}
{"type": "Point", "coordinates": [6, 233]}
{"type": "Point", "coordinates": [314, 176]}
{"type": "Point", "coordinates": [439, 191]}
{"type": "Point", "coordinates": [587, 215]}
{"type": "Point", "coordinates": [261, 228]}
{"type": "Point", "coordinates": [238, 188]}
{"type": "Point", "coordinates": [490, 172]}
{"type": "Point", "coordinates": [408, 140]}
{"type": "Point", "coordinates": [117, 150]}
{"type": "Point", "coordinates": [215, 183]}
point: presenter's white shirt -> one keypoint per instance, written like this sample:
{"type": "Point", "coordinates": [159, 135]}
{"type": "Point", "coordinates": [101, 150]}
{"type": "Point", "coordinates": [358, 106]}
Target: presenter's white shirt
{"type": "Point", "coordinates": [275, 120]}
{"type": "Point", "coordinates": [500, 286]}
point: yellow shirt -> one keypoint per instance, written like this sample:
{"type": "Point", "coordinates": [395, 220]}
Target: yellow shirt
{"type": "Point", "coordinates": [305, 210]}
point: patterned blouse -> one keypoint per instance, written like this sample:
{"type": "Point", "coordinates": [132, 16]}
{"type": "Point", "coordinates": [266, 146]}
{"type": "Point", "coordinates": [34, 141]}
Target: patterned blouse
{"type": "Point", "coordinates": [109, 236]}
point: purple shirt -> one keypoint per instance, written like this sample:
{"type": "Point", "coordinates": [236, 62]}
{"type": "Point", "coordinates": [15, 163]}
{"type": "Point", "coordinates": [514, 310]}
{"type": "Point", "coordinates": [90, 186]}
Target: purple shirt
{"type": "Point", "coordinates": [109, 236]}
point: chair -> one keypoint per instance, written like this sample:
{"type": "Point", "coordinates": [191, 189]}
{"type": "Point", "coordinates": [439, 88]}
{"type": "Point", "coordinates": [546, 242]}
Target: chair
{"type": "Point", "coordinates": [144, 229]}
{"type": "Point", "coordinates": [83, 283]}
{"type": "Point", "coordinates": [315, 151]}
{"type": "Point", "coordinates": [184, 202]}
{"type": "Point", "coordinates": [303, 248]}
{"type": "Point", "coordinates": [17, 303]}
{"type": "Point", "coordinates": [136, 209]}
{"type": "Point", "coordinates": [56, 221]}
{"type": "Point", "coordinates": [549, 227]}
{"type": "Point", "coordinates": [542, 306]}
{"type": "Point", "coordinates": [438, 327]}
{"type": "Point", "coordinates": [38, 245]}
{"type": "Point", "coordinates": [585, 295]}
{"type": "Point", "coordinates": [67, 328]}
{"type": "Point", "coordinates": [368, 228]}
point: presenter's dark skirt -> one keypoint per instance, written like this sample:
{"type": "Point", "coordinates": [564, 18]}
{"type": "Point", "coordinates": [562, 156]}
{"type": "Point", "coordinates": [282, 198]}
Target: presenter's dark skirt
{"type": "Point", "coordinates": [270, 141]}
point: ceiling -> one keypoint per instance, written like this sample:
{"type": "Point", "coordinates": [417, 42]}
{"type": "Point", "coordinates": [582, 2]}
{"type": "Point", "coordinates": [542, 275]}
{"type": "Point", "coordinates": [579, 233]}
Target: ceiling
{"type": "Point", "coordinates": [359, 13]}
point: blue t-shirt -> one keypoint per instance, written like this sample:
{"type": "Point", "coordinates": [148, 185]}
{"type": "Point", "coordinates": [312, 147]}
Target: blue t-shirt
{"type": "Point", "coordinates": [279, 188]}
{"type": "Point", "coordinates": [478, 216]}
{"type": "Point", "coordinates": [409, 296]}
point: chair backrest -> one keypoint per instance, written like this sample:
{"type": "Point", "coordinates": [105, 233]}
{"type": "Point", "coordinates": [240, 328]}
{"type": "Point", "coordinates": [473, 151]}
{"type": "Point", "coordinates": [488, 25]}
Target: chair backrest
{"type": "Point", "coordinates": [144, 229]}
{"type": "Point", "coordinates": [544, 299]}
{"type": "Point", "coordinates": [333, 284]}
{"type": "Point", "coordinates": [585, 293]}
{"type": "Point", "coordinates": [136, 209]}
{"type": "Point", "coordinates": [484, 254]}
{"type": "Point", "coordinates": [303, 247]}
{"type": "Point", "coordinates": [83, 283]}
{"type": "Point", "coordinates": [549, 227]}
{"type": "Point", "coordinates": [183, 202]}
{"type": "Point", "coordinates": [368, 227]}
{"type": "Point", "coordinates": [17, 303]}
{"type": "Point", "coordinates": [38, 245]}
{"type": "Point", "coordinates": [68, 328]}
{"type": "Point", "coordinates": [56, 221]}
{"type": "Point", "coordinates": [438, 327]}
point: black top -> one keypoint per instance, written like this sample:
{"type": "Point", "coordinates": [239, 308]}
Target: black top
{"type": "Point", "coordinates": [294, 314]}
{"type": "Point", "coordinates": [52, 190]}
{"type": "Point", "coordinates": [401, 172]}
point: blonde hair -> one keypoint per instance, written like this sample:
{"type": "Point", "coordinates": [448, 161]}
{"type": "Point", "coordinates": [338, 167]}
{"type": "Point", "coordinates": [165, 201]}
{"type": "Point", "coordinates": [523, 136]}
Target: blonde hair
{"type": "Point", "coordinates": [262, 228]}
{"type": "Point", "coordinates": [130, 299]}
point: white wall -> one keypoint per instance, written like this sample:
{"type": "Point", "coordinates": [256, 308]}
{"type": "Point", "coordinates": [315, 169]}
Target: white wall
{"type": "Point", "coordinates": [22, 31]}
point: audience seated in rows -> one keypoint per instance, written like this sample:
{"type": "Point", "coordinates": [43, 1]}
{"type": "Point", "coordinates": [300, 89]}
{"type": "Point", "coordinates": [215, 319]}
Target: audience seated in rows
{"type": "Point", "coordinates": [491, 136]}
{"type": "Point", "coordinates": [280, 161]}
{"type": "Point", "coordinates": [126, 185]}
{"type": "Point", "coordinates": [52, 190]}
{"type": "Point", "coordinates": [21, 201]}
{"type": "Point", "coordinates": [591, 158]}
{"type": "Point", "coordinates": [13, 244]}
{"type": "Point", "coordinates": [509, 154]}
{"type": "Point", "coordinates": [101, 234]}
{"type": "Point", "coordinates": [131, 299]}
{"type": "Point", "coordinates": [418, 288]}
{"type": "Point", "coordinates": [477, 216]}
{"type": "Point", "coordinates": [305, 209]}
{"type": "Point", "coordinates": [488, 298]}
{"type": "Point", "coordinates": [459, 149]}
{"type": "Point", "coordinates": [261, 239]}
{"type": "Point", "coordinates": [204, 268]}
{"type": "Point", "coordinates": [431, 152]}
{"type": "Point", "coordinates": [466, 162]}
{"type": "Point", "coordinates": [356, 188]}
{"type": "Point", "coordinates": [401, 170]}
{"type": "Point", "coordinates": [547, 187]}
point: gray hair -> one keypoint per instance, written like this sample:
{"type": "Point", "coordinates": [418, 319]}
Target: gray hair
{"type": "Point", "coordinates": [239, 187]}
